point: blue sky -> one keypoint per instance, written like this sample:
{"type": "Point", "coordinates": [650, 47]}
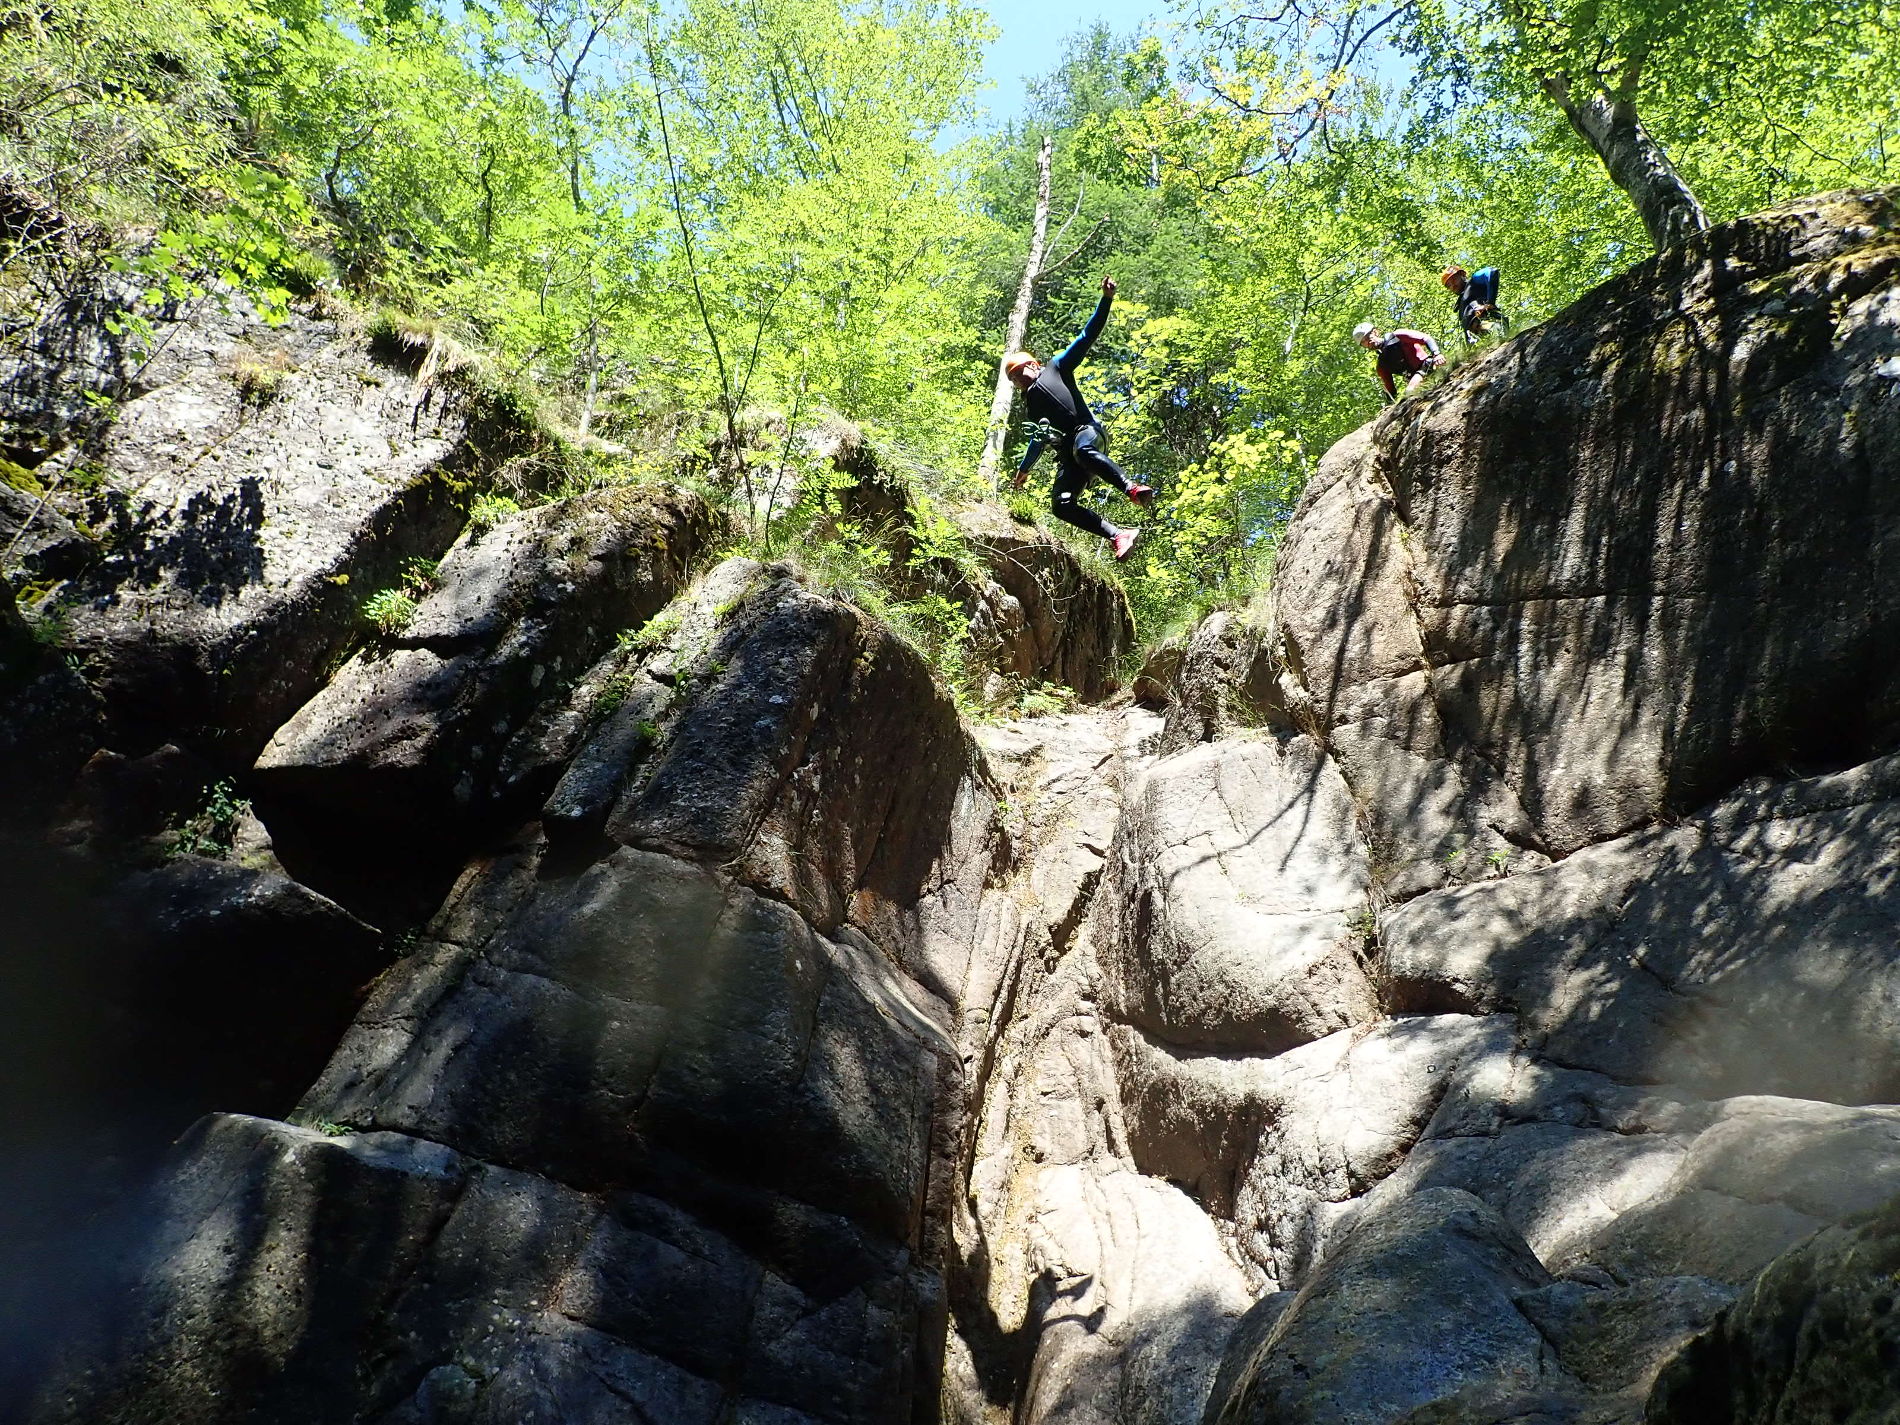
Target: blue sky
{"type": "Point", "coordinates": [1032, 36]}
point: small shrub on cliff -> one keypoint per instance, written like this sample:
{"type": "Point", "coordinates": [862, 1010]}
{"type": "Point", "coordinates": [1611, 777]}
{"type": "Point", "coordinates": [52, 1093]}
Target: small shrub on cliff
{"type": "Point", "coordinates": [260, 378]}
{"type": "Point", "coordinates": [389, 611]}
{"type": "Point", "coordinates": [209, 830]}
{"type": "Point", "coordinates": [616, 690]}
{"type": "Point", "coordinates": [487, 511]}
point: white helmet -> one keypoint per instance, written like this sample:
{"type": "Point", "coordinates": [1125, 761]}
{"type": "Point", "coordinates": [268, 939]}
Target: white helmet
{"type": "Point", "coordinates": [1362, 331]}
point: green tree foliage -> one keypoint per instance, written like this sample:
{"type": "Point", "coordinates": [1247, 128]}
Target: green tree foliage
{"type": "Point", "coordinates": [1697, 109]}
{"type": "Point", "coordinates": [695, 229]}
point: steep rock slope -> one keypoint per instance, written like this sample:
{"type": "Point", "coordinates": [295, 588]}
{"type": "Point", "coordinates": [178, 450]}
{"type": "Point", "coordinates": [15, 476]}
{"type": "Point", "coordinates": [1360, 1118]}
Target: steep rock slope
{"type": "Point", "coordinates": [1442, 1009]}
{"type": "Point", "coordinates": [1468, 961]}
{"type": "Point", "coordinates": [654, 1113]}
{"type": "Point", "coordinates": [1623, 561]}
{"type": "Point", "coordinates": [645, 1118]}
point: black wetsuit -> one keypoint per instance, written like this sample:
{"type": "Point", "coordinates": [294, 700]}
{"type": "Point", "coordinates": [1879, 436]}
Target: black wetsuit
{"type": "Point", "coordinates": [1054, 400]}
{"type": "Point", "coordinates": [1478, 303]}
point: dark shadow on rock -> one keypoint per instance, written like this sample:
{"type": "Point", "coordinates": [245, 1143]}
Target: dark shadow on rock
{"type": "Point", "coordinates": [209, 548]}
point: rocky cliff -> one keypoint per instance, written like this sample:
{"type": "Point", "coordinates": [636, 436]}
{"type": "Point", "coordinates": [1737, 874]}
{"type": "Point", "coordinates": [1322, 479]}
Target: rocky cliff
{"type": "Point", "coordinates": [1464, 990]}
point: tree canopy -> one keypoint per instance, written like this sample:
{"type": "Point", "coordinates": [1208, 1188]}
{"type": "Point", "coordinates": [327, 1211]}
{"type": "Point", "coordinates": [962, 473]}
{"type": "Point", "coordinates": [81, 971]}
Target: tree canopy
{"type": "Point", "coordinates": [682, 225]}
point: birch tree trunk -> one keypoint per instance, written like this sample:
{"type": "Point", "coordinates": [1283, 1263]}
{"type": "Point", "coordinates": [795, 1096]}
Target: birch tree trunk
{"type": "Point", "coordinates": [1018, 324]}
{"type": "Point", "coordinates": [1636, 162]}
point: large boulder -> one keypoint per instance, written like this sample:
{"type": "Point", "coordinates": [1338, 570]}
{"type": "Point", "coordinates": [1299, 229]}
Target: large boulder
{"type": "Point", "coordinates": [1284, 1147]}
{"type": "Point", "coordinates": [1236, 884]}
{"type": "Point", "coordinates": [406, 744]}
{"type": "Point", "coordinates": [1582, 585]}
{"type": "Point", "coordinates": [293, 1275]}
{"type": "Point", "coordinates": [1814, 1338]}
{"type": "Point", "coordinates": [1043, 614]}
{"type": "Point", "coordinates": [254, 485]}
{"type": "Point", "coordinates": [1746, 951]}
{"type": "Point", "coordinates": [658, 1114]}
{"type": "Point", "coordinates": [1416, 1305]}
{"type": "Point", "coordinates": [1224, 675]}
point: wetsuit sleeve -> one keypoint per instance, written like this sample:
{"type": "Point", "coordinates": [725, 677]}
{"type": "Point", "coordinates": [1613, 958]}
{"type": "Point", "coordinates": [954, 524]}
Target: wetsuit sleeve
{"type": "Point", "coordinates": [1030, 457]}
{"type": "Point", "coordinates": [1071, 355]}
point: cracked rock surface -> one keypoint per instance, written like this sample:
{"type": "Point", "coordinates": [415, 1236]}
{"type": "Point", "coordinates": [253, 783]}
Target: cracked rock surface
{"type": "Point", "coordinates": [1462, 991]}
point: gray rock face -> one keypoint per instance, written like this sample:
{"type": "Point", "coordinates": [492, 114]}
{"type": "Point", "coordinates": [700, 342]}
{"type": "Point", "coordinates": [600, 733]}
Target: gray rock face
{"type": "Point", "coordinates": [1043, 614]}
{"type": "Point", "coordinates": [490, 1296]}
{"type": "Point", "coordinates": [1441, 1257]}
{"type": "Point", "coordinates": [1225, 675]}
{"type": "Point", "coordinates": [240, 535]}
{"type": "Point", "coordinates": [1581, 589]}
{"type": "Point", "coordinates": [1814, 1338]}
{"type": "Point", "coordinates": [657, 1147]}
{"type": "Point", "coordinates": [1646, 1055]}
{"type": "Point", "coordinates": [1749, 950]}
{"type": "Point", "coordinates": [647, 1007]}
{"type": "Point", "coordinates": [1235, 881]}
{"type": "Point", "coordinates": [414, 732]}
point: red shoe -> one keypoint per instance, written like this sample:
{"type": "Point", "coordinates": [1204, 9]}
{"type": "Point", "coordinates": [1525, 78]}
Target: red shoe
{"type": "Point", "coordinates": [1124, 542]}
{"type": "Point", "coordinates": [1143, 495]}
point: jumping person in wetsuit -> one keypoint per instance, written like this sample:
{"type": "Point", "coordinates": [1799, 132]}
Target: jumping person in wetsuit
{"type": "Point", "coordinates": [1405, 350]}
{"type": "Point", "coordinates": [1054, 401]}
{"type": "Point", "coordinates": [1476, 296]}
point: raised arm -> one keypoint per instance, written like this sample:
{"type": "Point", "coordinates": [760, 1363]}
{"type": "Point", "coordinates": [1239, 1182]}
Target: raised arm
{"type": "Point", "coordinates": [1071, 356]}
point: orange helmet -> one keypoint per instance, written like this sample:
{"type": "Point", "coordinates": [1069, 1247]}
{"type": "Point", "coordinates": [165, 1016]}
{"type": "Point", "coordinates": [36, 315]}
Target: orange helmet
{"type": "Point", "coordinates": [1454, 278]}
{"type": "Point", "coordinates": [1015, 362]}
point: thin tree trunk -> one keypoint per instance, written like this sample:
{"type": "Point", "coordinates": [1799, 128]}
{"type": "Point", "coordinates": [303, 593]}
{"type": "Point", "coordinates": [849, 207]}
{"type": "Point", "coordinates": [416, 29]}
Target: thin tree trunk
{"type": "Point", "coordinates": [1636, 162]}
{"type": "Point", "coordinates": [593, 376]}
{"type": "Point", "coordinates": [1018, 324]}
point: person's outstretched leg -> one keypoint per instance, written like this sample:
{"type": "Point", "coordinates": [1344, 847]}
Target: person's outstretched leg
{"type": "Point", "coordinates": [1094, 460]}
{"type": "Point", "coordinates": [1065, 506]}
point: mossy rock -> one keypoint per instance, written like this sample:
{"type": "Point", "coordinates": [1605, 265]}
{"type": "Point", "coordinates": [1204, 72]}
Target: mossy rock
{"type": "Point", "coordinates": [20, 478]}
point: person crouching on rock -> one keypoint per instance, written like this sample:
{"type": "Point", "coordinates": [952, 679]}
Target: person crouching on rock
{"type": "Point", "coordinates": [1476, 296]}
{"type": "Point", "coordinates": [1056, 404]}
{"type": "Point", "coordinates": [1410, 352]}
